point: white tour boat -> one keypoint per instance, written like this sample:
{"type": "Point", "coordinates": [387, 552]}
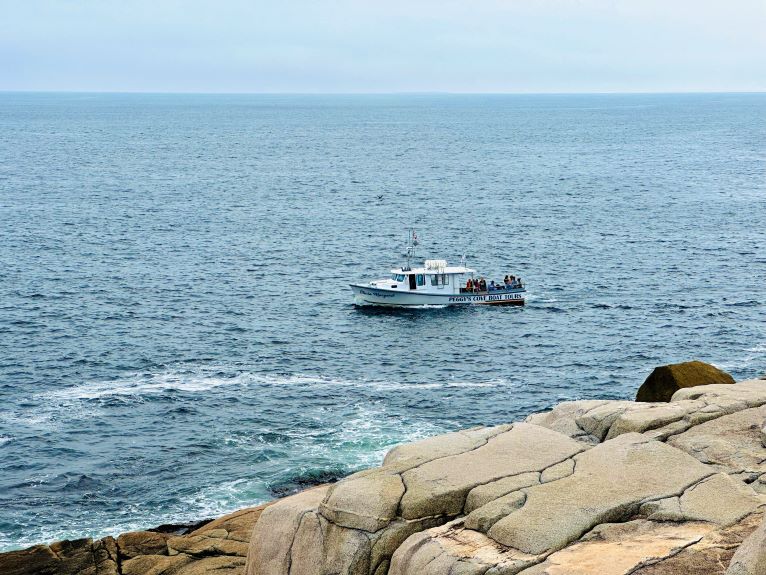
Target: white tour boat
{"type": "Point", "coordinates": [437, 284]}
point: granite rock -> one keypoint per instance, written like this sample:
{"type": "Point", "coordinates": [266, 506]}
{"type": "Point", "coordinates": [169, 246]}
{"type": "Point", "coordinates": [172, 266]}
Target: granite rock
{"type": "Point", "coordinates": [750, 557]}
{"type": "Point", "coordinates": [665, 380]}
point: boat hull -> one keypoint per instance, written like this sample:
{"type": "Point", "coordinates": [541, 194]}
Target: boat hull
{"type": "Point", "coordinates": [366, 295]}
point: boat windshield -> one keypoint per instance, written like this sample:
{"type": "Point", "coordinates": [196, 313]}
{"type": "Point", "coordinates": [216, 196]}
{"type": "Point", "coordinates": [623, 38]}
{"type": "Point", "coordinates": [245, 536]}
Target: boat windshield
{"type": "Point", "coordinates": [397, 277]}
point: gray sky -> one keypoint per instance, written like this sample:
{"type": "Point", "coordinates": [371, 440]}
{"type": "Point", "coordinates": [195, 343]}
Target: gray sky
{"type": "Point", "coordinates": [383, 45]}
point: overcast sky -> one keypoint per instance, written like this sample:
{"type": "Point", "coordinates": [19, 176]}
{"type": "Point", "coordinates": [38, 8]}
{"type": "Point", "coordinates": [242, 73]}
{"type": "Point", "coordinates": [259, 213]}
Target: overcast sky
{"type": "Point", "coordinates": [383, 45]}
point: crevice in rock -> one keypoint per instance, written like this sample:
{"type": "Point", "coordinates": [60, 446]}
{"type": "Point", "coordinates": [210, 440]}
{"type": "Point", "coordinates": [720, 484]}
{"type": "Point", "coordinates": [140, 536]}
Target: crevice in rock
{"type": "Point", "coordinates": [434, 558]}
{"type": "Point", "coordinates": [117, 558]}
{"type": "Point", "coordinates": [540, 472]}
{"type": "Point", "coordinates": [673, 553]}
{"type": "Point", "coordinates": [404, 482]}
{"type": "Point", "coordinates": [401, 498]}
{"type": "Point", "coordinates": [292, 542]}
{"type": "Point", "coordinates": [678, 493]}
{"type": "Point", "coordinates": [93, 556]}
{"type": "Point", "coordinates": [673, 434]}
{"type": "Point", "coordinates": [485, 442]}
{"type": "Point", "coordinates": [465, 500]}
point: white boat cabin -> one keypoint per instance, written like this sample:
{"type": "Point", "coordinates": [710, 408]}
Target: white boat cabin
{"type": "Point", "coordinates": [435, 277]}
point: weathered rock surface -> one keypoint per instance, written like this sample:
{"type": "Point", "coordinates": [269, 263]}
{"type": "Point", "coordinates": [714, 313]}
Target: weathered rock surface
{"type": "Point", "coordinates": [709, 556]}
{"type": "Point", "coordinates": [596, 421]}
{"type": "Point", "coordinates": [665, 380]}
{"type": "Point", "coordinates": [216, 548]}
{"type": "Point", "coordinates": [618, 548]}
{"type": "Point", "coordinates": [750, 557]}
{"type": "Point", "coordinates": [137, 543]}
{"type": "Point", "coordinates": [591, 487]}
{"type": "Point", "coordinates": [355, 525]}
{"type": "Point", "coordinates": [81, 556]}
{"type": "Point", "coordinates": [730, 443]}
{"type": "Point", "coordinates": [609, 484]}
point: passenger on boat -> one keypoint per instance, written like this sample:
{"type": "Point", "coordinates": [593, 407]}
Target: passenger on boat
{"type": "Point", "coordinates": [469, 285]}
{"type": "Point", "coordinates": [507, 282]}
{"type": "Point", "coordinates": [492, 285]}
{"type": "Point", "coordinates": [482, 284]}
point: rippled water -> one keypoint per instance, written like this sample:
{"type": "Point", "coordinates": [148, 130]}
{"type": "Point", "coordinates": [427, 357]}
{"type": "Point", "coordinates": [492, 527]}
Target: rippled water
{"type": "Point", "coordinates": [177, 336]}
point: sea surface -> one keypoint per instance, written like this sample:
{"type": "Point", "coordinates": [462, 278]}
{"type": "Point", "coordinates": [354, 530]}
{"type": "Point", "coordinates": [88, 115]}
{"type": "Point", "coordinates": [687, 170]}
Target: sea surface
{"type": "Point", "coordinates": [177, 337]}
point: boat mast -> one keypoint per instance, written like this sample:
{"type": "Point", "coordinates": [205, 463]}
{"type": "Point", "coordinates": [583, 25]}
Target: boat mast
{"type": "Point", "coordinates": [412, 242]}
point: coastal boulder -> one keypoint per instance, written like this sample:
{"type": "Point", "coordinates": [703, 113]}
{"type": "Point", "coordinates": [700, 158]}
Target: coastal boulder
{"type": "Point", "coordinates": [665, 380]}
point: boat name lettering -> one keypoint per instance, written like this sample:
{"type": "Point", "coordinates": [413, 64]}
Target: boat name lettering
{"type": "Point", "coordinates": [376, 294]}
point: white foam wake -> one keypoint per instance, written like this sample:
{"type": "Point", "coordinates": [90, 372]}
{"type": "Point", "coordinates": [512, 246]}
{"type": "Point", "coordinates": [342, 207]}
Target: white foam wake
{"type": "Point", "coordinates": [199, 380]}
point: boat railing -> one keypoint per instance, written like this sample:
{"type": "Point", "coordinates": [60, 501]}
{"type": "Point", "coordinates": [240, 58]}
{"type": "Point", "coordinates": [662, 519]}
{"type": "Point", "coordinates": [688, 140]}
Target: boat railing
{"type": "Point", "coordinates": [502, 289]}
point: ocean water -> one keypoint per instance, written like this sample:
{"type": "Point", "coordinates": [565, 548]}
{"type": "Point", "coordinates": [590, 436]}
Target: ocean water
{"type": "Point", "coordinates": [177, 338]}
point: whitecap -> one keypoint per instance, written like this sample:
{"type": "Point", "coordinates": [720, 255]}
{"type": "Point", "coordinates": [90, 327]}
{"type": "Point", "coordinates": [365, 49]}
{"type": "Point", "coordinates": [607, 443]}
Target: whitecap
{"type": "Point", "coordinates": [140, 384]}
{"type": "Point", "coordinates": [203, 379]}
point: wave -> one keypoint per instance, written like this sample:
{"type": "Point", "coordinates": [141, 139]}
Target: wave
{"type": "Point", "coordinates": [201, 379]}
{"type": "Point", "coordinates": [747, 303]}
{"type": "Point", "coordinates": [620, 306]}
{"type": "Point", "coordinates": [139, 384]}
{"type": "Point", "coordinates": [317, 456]}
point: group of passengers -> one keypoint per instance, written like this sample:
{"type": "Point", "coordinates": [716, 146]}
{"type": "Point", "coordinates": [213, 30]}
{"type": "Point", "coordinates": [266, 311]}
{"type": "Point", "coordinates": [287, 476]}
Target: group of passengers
{"type": "Point", "coordinates": [512, 282]}
{"type": "Point", "coordinates": [480, 285]}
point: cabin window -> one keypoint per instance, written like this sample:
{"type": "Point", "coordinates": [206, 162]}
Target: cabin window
{"type": "Point", "coordinates": [399, 277]}
{"type": "Point", "coordinates": [445, 279]}
{"type": "Point", "coordinates": [434, 280]}
{"type": "Point", "coordinates": [421, 279]}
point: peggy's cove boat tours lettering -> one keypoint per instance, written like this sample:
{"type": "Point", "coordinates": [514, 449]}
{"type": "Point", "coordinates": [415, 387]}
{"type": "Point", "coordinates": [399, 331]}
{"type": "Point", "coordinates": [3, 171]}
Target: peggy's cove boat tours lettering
{"type": "Point", "coordinates": [439, 284]}
{"type": "Point", "coordinates": [487, 298]}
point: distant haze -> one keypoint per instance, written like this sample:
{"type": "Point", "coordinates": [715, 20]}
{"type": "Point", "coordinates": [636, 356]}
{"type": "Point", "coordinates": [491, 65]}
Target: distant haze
{"type": "Point", "coordinates": [383, 46]}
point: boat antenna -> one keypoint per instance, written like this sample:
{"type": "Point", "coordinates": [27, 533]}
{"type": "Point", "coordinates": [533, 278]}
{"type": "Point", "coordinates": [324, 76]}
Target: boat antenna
{"type": "Point", "coordinates": [412, 242]}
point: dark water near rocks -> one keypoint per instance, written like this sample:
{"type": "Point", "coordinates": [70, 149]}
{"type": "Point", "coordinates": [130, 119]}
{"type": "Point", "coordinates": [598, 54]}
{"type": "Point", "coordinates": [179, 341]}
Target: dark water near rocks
{"type": "Point", "coordinates": [177, 338]}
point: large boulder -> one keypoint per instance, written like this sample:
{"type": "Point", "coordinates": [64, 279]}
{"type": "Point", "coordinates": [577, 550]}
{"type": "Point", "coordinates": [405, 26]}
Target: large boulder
{"type": "Point", "coordinates": [665, 380]}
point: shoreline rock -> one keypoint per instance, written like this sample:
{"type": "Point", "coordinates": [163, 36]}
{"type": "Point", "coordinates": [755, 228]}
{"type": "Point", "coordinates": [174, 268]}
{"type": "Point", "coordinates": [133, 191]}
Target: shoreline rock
{"type": "Point", "coordinates": [591, 487]}
{"type": "Point", "coordinates": [665, 380]}
{"type": "Point", "coordinates": [661, 488]}
{"type": "Point", "coordinates": [211, 546]}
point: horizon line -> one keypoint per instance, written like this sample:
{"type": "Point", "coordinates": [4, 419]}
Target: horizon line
{"type": "Point", "coordinates": [383, 93]}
